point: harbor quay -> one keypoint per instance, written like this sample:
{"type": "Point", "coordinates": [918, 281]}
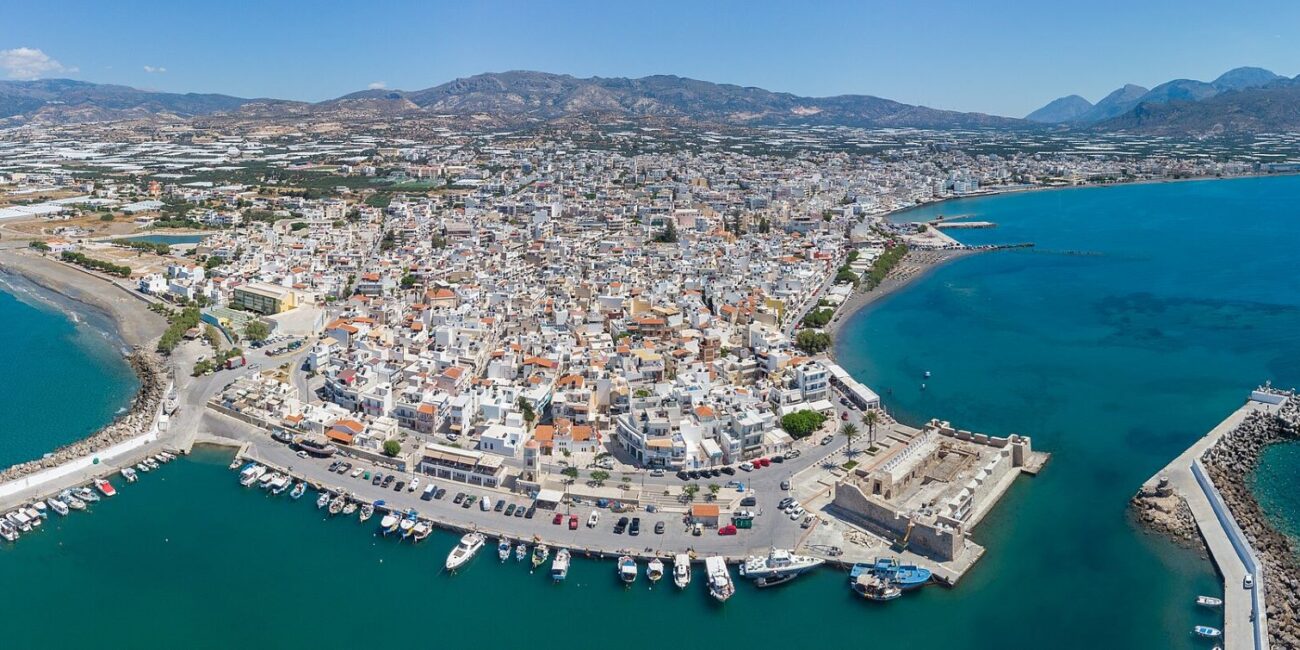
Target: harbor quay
{"type": "Point", "coordinates": [1182, 500]}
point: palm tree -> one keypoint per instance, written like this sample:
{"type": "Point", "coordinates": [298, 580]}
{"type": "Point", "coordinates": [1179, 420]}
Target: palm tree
{"type": "Point", "coordinates": [849, 431]}
{"type": "Point", "coordinates": [871, 418]}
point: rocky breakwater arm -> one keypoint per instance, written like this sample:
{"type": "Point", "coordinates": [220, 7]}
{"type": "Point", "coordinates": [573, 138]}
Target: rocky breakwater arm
{"type": "Point", "coordinates": [1230, 463]}
{"type": "Point", "coordinates": [138, 419]}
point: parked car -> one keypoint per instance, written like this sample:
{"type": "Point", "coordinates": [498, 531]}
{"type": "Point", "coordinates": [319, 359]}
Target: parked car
{"type": "Point", "coordinates": [302, 454]}
{"type": "Point", "coordinates": [729, 470]}
{"type": "Point", "coordinates": [785, 485]}
{"type": "Point", "coordinates": [356, 472]}
{"type": "Point", "coordinates": [715, 472]}
{"type": "Point", "coordinates": [656, 472]}
{"type": "Point", "coordinates": [388, 480]}
{"type": "Point", "coordinates": [620, 525]}
{"type": "Point", "coordinates": [485, 504]}
{"type": "Point", "coordinates": [683, 475]}
{"type": "Point", "coordinates": [808, 522]}
{"type": "Point", "coordinates": [749, 502]}
{"type": "Point", "coordinates": [469, 501]}
{"type": "Point", "coordinates": [557, 519]}
{"type": "Point", "coordinates": [778, 458]}
{"type": "Point", "coordinates": [397, 487]}
{"type": "Point", "coordinates": [377, 479]}
{"type": "Point", "coordinates": [442, 492]}
{"type": "Point", "coordinates": [781, 505]}
{"type": "Point", "coordinates": [635, 528]}
{"type": "Point", "coordinates": [659, 527]}
{"type": "Point", "coordinates": [1248, 582]}
{"type": "Point", "coordinates": [765, 462]}
{"type": "Point", "coordinates": [532, 510]}
{"type": "Point", "coordinates": [460, 496]}
{"type": "Point", "coordinates": [501, 505]}
{"type": "Point", "coordinates": [793, 454]}
{"type": "Point", "coordinates": [510, 510]}
{"type": "Point", "coordinates": [573, 522]}
{"type": "Point", "coordinates": [747, 466]}
{"type": "Point", "coordinates": [415, 485]}
{"type": "Point", "coordinates": [796, 513]}
{"type": "Point", "coordinates": [727, 530]}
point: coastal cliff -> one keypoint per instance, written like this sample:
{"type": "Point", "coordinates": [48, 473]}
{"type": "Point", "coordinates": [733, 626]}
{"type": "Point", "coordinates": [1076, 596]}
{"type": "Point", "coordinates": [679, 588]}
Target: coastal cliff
{"type": "Point", "coordinates": [1230, 464]}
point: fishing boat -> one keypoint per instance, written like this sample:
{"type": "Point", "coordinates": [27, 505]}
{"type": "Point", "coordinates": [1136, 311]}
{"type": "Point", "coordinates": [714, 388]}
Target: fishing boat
{"type": "Point", "coordinates": [8, 531]}
{"type": "Point", "coordinates": [129, 474]}
{"type": "Point", "coordinates": [464, 552]}
{"type": "Point", "coordinates": [1207, 631]}
{"type": "Point", "coordinates": [541, 553]}
{"type": "Point", "coordinates": [903, 576]}
{"type": "Point", "coordinates": [250, 473]}
{"type": "Point", "coordinates": [153, 464]}
{"type": "Point", "coordinates": [367, 511]}
{"type": "Point", "coordinates": [626, 569]}
{"type": "Point", "coordinates": [1209, 601]}
{"type": "Point", "coordinates": [503, 549]}
{"type": "Point", "coordinates": [521, 552]}
{"type": "Point", "coordinates": [86, 494]}
{"type": "Point", "coordinates": [421, 531]}
{"type": "Point", "coordinates": [720, 585]}
{"type": "Point", "coordinates": [265, 481]}
{"type": "Point", "coordinates": [779, 566]}
{"type": "Point", "coordinates": [59, 506]}
{"type": "Point", "coordinates": [682, 570]}
{"type": "Point", "coordinates": [166, 456]}
{"type": "Point", "coordinates": [105, 487]}
{"type": "Point", "coordinates": [389, 522]}
{"type": "Point", "coordinates": [299, 489]}
{"type": "Point", "coordinates": [323, 500]}
{"type": "Point", "coordinates": [349, 508]}
{"type": "Point", "coordinates": [336, 504]}
{"type": "Point", "coordinates": [874, 587]}
{"type": "Point", "coordinates": [406, 526]}
{"type": "Point", "coordinates": [280, 484]}
{"type": "Point", "coordinates": [144, 469]}
{"type": "Point", "coordinates": [71, 499]}
{"type": "Point", "coordinates": [234, 464]}
{"type": "Point", "coordinates": [35, 515]}
{"type": "Point", "coordinates": [42, 509]}
{"type": "Point", "coordinates": [654, 571]}
{"type": "Point", "coordinates": [560, 565]}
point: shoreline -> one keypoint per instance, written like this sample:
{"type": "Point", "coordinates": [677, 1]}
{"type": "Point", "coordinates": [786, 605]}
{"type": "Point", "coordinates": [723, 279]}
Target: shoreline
{"type": "Point", "coordinates": [916, 264]}
{"type": "Point", "coordinates": [134, 324]}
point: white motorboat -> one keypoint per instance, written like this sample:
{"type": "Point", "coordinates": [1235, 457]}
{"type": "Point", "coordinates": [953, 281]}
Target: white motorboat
{"type": "Point", "coordinates": [58, 506]}
{"type": "Point", "coordinates": [560, 565]}
{"type": "Point", "coordinates": [336, 504]}
{"type": "Point", "coordinates": [465, 550]}
{"type": "Point", "coordinates": [503, 549]}
{"type": "Point", "coordinates": [86, 494]}
{"type": "Point", "coordinates": [266, 480]}
{"type": "Point", "coordinates": [129, 474]}
{"type": "Point", "coordinates": [299, 489]}
{"type": "Point", "coordinates": [8, 531]}
{"type": "Point", "coordinates": [777, 567]}
{"type": "Point", "coordinates": [250, 474]}
{"type": "Point", "coordinates": [627, 569]}
{"type": "Point", "coordinates": [33, 514]}
{"type": "Point", "coordinates": [421, 531]}
{"type": "Point", "coordinates": [367, 511]}
{"type": "Point", "coordinates": [323, 500]}
{"type": "Point", "coordinates": [540, 553]}
{"type": "Point", "coordinates": [1207, 631]}
{"type": "Point", "coordinates": [521, 552]}
{"type": "Point", "coordinates": [1209, 601]}
{"type": "Point", "coordinates": [682, 570]}
{"type": "Point", "coordinates": [406, 526]}
{"type": "Point", "coordinates": [389, 522]}
{"type": "Point", "coordinates": [720, 585]}
{"type": "Point", "coordinates": [144, 469]}
{"type": "Point", "coordinates": [234, 464]}
{"type": "Point", "coordinates": [654, 571]}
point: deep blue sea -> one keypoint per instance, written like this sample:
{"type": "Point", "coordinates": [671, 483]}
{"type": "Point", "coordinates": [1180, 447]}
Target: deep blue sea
{"type": "Point", "coordinates": [63, 379]}
{"type": "Point", "coordinates": [1143, 318]}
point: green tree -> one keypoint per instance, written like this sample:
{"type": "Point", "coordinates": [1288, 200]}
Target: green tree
{"type": "Point", "coordinates": [689, 491]}
{"type": "Point", "coordinates": [256, 330]}
{"type": "Point", "coordinates": [714, 488]}
{"type": "Point", "coordinates": [392, 447]}
{"type": "Point", "coordinates": [526, 407]}
{"type": "Point", "coordinates": [802, 423]}
{"type": "Point", "coordinates": [812, 342]}
{"type": "Point", "coordinates": [599, 476]}
{"type": "Point", "coordinates": [849, 431]}
{"type": "Point", "coordinates": [871, 418]}
{"type": "Point", "coordinates": [571, 472]}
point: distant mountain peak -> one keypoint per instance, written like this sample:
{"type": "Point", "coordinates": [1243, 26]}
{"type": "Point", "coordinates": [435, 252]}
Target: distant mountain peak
{"type": "Point", "coordinates": [1061, 110]}
{"type": "Point", "coordinates": [1245, 77]}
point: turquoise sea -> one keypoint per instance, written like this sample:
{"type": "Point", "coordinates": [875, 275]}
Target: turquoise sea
{"type": "Point", "coordinates": [1114, 360]}
{"type": "Point", "coordinates": [62, 380]}
{"type": "Point", "coordinates": [168, 239]}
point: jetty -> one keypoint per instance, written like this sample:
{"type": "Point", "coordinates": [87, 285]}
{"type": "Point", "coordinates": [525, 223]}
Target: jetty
{"type": "Point", "coordinates": [1244, 625]}
{"type": "Point", "coordinates": [963, 225]}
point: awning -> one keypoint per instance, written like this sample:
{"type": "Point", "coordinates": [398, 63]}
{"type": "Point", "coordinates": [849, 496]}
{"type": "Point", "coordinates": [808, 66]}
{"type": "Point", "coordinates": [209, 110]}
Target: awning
{"type": "Point", "coordinates": [550, 496]}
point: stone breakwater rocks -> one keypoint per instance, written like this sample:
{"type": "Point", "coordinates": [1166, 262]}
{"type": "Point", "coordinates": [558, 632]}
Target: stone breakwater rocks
{"type": "Point", "coordinates": [137, 420]}
{"type": "Point", "coordinates": [1167, 512]}
{"type": "Point", "coordinates": [1230, 464]}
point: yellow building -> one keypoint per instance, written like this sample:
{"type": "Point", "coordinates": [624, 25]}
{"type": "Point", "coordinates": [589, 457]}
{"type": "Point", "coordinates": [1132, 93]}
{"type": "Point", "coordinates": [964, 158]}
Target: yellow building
{"type": "Point", "coordinates": [264, 298]}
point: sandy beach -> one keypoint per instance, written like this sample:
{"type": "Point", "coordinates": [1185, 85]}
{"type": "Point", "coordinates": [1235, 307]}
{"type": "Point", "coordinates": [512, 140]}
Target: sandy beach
{"type": "Point", "coordinates": [135, 324]}
{"type": "Point", "coordinates": [913, 266]}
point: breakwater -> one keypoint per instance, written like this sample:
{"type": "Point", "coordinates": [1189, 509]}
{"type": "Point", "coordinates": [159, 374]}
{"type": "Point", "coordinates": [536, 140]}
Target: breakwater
{"type": "Point", "coordinates": [1229, 464]}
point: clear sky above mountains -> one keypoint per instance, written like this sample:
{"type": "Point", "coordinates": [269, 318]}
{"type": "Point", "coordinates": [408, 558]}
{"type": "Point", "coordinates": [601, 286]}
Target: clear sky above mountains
{"type": "Point", "coordinates": [1006, 58]}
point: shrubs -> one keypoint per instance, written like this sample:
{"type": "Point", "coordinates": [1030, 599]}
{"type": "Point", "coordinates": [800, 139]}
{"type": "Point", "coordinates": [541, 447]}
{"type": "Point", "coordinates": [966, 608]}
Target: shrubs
{"type": "Point", "coordinates": [812, 342]}
{"type": "Point", "coordinates": [800, 424]}
{"type": "Point", "coordinates": [884, 264]}
{"type": "Point", "coordinates": [96, 265]}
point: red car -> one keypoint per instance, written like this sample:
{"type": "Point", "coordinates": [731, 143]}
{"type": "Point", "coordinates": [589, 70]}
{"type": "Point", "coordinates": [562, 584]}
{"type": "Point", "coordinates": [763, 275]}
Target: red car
{"type": "Point", "coordinates": [727, 530]}
{"type": "Point", "coordinates": [765, 462]}
{"type": "Point", "coordinates": [573, 522]}
{"type": "Point", "coordinates": [558, 518]}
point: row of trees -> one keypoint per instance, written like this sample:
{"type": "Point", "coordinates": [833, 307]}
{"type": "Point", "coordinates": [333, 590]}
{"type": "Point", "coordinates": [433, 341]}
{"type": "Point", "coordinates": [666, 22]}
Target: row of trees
{"type": "Point", "coordinates": [110, 268]}
{"type": "Point", "coordinates": [812, 341]}
{"type": "Point", "coordinates": [884, 264]}
{"type": "Point", "coordinates": [178, 323]}
{"type": "Point", "coordinates": [147, 246]}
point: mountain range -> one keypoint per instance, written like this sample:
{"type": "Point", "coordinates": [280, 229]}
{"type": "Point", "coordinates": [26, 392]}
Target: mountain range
{"type": "Point", "coordinates": [1240, 100]}
{"type": "Point", "coordinates": [1180, 102]}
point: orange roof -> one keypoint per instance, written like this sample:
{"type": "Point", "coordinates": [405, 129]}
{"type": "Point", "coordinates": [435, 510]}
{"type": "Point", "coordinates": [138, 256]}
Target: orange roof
{"type": "Point", "coordinates": [339, 436]}
{"type": "Point", "coordinates": [705, 510]}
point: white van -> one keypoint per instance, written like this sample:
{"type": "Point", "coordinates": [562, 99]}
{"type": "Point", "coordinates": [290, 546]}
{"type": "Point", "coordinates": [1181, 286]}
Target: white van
{"type": "Point", "coordinates": [485, 504]}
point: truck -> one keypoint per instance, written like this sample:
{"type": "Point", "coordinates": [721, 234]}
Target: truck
{"type": "Point", "coordinates": [236, 362]}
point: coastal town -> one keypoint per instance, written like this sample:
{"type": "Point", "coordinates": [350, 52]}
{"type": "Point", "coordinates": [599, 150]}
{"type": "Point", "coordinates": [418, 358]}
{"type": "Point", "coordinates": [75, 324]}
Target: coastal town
{"type": "Point", "coordinates": [603, 341]}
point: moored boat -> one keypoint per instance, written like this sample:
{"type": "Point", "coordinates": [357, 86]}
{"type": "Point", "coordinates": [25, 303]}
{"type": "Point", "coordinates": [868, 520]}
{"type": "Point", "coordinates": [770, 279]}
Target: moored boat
{"type": "Point", "coordinates": [129, 474]}
{"type": "Point", "coordinates": [903, 576]}
{"type": "Point", "coordinates": [349, 508]}
{"type": "Point", "coordinates": [560, 565]}
{"type": "Point", "coordinates": [777, 567]}
{"type": "Point", "coordinates": [323, 500]}
{"type": "Point", "coordinates": [105, 487]}
{"type": "Point", "coordinates": [267, 479]}
{"type": "Point", "coordinates": [1209, 601]}
{"type": "Point", "coordinates": [367, 511]}
{"type": "Point", "coordinates": [503, 549]}
{"type": "Point", "coordinates": [874, 587]}
{"type": "Point", "coordinates": [299, 489]}
{"type": "Point", "coordinates": [465, 550]}
{"type": "Point", "coordinates": [654, 571]}
{"type": "Point", "coordinates": [250, 473]}
{"type": "Point", "coordinates": [86, 494]}
{"type": "Point", "coordinates": [336, 504]}
{"type": "Point", "coordinates": [521, 552]}
{"type": "Point", "coordinates": [407, 526]}
{"type": "Point", "coordinates": [57, 505]}
{"type": "Point", "coordinates": [540, 553]}
{"type": "Point", "coordinates": [682, 570]}
{"type": "Point", "coordinates": [421, 530]}
{"type": "Point", "coordinates": [144, 469]}
{"type": "Point", "coordinates": [8, 531]}
{"type": "Point", "coordinates": [626, 569]}
{"type": "Point", "coordinates": [1207, 631]}
{"type": "Point", "coordinates": [389, 522]}
{"type": "Point", "coordinates": [720, 585]}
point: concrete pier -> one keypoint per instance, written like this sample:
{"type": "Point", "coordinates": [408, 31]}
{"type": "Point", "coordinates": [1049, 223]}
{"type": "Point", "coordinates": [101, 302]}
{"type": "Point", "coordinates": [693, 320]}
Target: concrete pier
{"type": "Point", "coordinates": [1231, 553]}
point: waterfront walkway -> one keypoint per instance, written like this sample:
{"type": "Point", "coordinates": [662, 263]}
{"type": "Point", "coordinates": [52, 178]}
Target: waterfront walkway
{"type": "Point", "coordinates": [1239, 624]}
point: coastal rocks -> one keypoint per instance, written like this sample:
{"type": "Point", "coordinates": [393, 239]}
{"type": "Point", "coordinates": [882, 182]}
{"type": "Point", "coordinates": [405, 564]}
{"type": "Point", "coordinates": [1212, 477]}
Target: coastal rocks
{"type": "Point", "coordinates": [137, 420]}
{"type": "Point", "coordinates": [1230, 464]}
{"type": "Point", "coordinates": [1166, 512]}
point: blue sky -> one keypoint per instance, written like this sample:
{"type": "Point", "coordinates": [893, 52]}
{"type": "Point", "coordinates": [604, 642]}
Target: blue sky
{"type": "Point", "coordinates": [998, 57]}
